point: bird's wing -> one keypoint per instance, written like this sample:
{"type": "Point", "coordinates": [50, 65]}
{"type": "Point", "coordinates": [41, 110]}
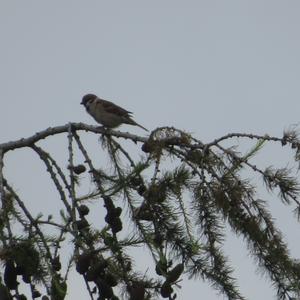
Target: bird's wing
{"type": "Point", "coordinates": [114, 109]}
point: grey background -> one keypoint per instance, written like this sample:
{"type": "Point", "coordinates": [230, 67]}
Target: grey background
{"type": "Point", "coordinates": [208, 67]}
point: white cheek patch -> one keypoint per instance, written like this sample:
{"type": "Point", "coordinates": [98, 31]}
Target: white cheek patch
{"type": "Point", "coordinates": [88, 105]}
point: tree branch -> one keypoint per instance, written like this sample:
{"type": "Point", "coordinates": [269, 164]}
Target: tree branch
{"type": "Point", "coordinates": [29, 141]}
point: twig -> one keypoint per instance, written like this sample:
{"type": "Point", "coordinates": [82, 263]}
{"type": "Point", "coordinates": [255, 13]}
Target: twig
{"type": "Point", "coordinates": [2, 191]}
{"type": "Point", "coordinates": [244, 135]}
{"type": "Point", "coordinates": [42, 154]}
{"type": "Point", "coordinates": [29, 217]}
{"type": "Point", "coordinates": [71, 170]}
{"type": "Point", "coordinates": [1, 177]}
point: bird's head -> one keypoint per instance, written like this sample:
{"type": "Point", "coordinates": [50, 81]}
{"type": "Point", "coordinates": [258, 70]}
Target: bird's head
{"type": "Point", "coordinates": [88, 98]}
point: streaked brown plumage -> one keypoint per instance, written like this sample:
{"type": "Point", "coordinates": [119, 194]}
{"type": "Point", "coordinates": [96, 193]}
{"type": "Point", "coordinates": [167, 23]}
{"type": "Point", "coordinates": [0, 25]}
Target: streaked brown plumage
{"type": "Point", "coordinates": [107, 113]}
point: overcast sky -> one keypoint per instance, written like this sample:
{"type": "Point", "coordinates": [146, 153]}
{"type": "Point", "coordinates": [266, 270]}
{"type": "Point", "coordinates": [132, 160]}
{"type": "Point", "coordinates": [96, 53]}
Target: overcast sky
{"type": "Point", "coordinates": [208, 67]}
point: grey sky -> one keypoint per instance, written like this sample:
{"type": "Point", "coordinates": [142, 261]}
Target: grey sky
{"type": "Point", "coordinates": [209, 67]}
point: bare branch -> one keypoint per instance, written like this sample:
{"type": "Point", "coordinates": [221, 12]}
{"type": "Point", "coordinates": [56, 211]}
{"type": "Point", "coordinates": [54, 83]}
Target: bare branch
{"type": "Point", "coordinates": [28, 142]}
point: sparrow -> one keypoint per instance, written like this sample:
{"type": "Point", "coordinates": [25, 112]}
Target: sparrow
{"type": "Point", "coordinates": [107, 113]}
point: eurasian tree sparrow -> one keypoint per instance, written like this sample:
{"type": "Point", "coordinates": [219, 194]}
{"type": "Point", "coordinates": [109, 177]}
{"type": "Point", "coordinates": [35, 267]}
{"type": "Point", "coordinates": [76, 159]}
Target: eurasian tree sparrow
{"type": "Point", "coordinates": [107, 113]}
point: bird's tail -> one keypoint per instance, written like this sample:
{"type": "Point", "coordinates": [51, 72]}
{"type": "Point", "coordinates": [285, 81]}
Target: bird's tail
{"type": "Point", "coordinates": [132, 122]}
{"type": "Point", "coordinates": [141, 126]}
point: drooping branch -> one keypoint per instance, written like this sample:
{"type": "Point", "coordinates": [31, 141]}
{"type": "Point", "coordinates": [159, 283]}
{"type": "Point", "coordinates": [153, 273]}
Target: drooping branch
{"type": "Point", "coordinates": [179, 195]}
